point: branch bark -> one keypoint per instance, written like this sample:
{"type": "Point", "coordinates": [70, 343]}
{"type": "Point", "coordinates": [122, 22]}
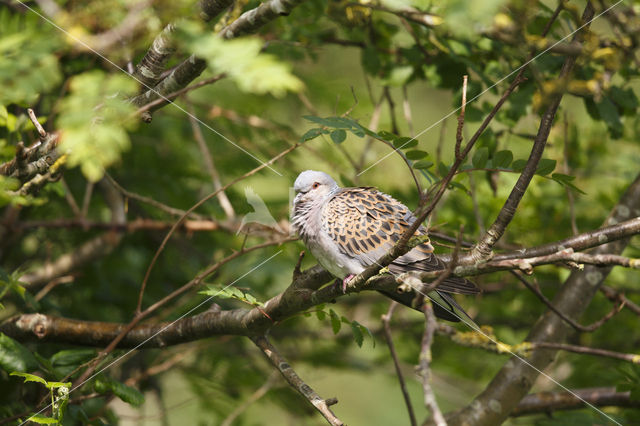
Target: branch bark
{"type": "Point", "coordinates": [193, 66]}
{"type": "Point", "coordinates": [546, 402]}
{"type": "Point", "coordinates": [483, 250]}
{"type": "Point", "coordinates": [278, 361]}
{"type": "Point", "coordinates": [515, 379]}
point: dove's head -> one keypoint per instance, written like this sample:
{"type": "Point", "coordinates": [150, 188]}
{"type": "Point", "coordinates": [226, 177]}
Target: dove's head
{"type": "Point", "coordinates": [312, 185]}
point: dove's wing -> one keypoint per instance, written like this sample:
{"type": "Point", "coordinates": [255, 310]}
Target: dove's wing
{"type": "Point", "coordinates": [366, 223]}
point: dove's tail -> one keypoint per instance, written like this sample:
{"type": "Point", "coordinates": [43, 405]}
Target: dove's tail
{"type": "Point", "coordinates": [444, 305]}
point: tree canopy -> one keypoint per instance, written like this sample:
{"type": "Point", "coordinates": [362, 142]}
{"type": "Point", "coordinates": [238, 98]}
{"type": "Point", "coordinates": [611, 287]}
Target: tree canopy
{"type": "Point", "coordinates": [149, 271]}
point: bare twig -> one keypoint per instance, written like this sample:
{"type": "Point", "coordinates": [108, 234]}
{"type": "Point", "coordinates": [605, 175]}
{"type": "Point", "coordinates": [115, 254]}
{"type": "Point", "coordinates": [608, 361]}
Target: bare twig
{"type": "Point", "coordinates": [295, 381]}
{"type": "Point", "coordinates": [259, 393]}
{"type": "Point", "coordinates": [424, 370]}
{"type": "Point", "coordinates": [461, 118]}
{"type": "Point", "coordinates": [614, 295]}
{"type": "Point", "coordinates": [548, 402]}
{"type": "Point", "coordinates": [195, 206]}
{"type": "Point", "coordinates": [386, 320]}
{"type": "Point", "coordinates": [567, 171]}
{"type": "Point", "coordinates": [406, 108]}
{"type": "Point", "coordinates": [632, 358]}
{"type": "Point", "coordinates": [32, 116]}
{"type": "Point", "coordinates": [211, 168]}
{"type": "Point", "coordinates": [568, 320]}
{"type": "Point", "coordinates": [135, 225]}
{"type": "Point", "coordinates": [92, 249]}
{"type": "Point", "coordinates": [392, 110]}
{"type": "Point", "coordinates": [151, 201]}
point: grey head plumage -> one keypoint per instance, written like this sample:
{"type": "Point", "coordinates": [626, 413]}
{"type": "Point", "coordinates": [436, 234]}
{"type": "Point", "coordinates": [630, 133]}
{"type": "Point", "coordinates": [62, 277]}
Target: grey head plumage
{"type": "Point", "coordinates": [348, 229]}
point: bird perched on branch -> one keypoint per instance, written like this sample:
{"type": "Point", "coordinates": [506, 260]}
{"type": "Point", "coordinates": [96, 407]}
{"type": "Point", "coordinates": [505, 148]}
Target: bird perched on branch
{"type": "Point", "coordinates": [348, 229]}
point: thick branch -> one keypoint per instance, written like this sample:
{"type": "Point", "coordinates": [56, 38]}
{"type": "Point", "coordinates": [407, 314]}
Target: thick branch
{"type": "Point", "coordinates": [152, 65]}
{"type": "Point", "coordinates": [192, 67]}
{"type": "Point", "coordinates": [546, 402]}
{"type": "Point", "coordinates": [515, 379]}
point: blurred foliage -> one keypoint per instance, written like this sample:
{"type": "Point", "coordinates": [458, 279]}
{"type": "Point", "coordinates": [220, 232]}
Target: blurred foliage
{"type": "Point", "coordinates": [316, 76]}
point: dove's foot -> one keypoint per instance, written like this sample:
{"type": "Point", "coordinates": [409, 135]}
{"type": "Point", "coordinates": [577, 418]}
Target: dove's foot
{"type": "Point", "coordinates": [345, 281]}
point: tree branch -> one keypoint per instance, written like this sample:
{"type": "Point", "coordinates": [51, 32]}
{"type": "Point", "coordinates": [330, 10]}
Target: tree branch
{"type": "Point", "coordinates": [386, 319]}
{"type": "Point", "coordinates": [483, 249]}
{"type": "Point", "coordinates": [546, 402]}
{"type": "Point", "coordinates": [296, 382]}
{"type": "Point", "coordinates": [515, 379]}
{"type": "Point", "coordinates": [192, 67]}
{"type": "Point", "coordinates": [424, 369]}
{"type": "Point", "coordinates": [94, 248]}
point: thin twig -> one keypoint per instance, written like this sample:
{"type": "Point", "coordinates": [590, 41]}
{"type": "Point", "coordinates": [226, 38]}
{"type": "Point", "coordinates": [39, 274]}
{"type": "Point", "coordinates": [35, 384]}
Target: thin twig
{"type": "Point", "coordinates": [567, 171]}
{"type": "Point", "coordinates": [211, 168]}
{"type": "Point", "coordinates": [463, 108]}
{"type": "Point", "coordinates": [32, 116]}
{"type": "Point", "coordinates": [589, 328]}
{"type": "Point", "coordinates": [406, 108]}
{"type": "Point", "coordinates": [259, 393]}
{"type": "Point", "coordinates": [548, 402]}
{"type": "Point", "coordinates": [148, 200]}
{"type": "Point", "coordinates": [632, 358]}
{"type": "Point", "coordinates": [424, 369]}
{"type": "Point", "coordinates": [386, 320]}
{"type": "Point", "coordinates": [195, 206]}
{"type": "Point", "coordinates": [296, 382]}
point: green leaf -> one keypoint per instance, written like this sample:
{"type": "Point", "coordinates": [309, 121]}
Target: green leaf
{"type": "Point", "coordinates": [502, 159]}
{"type": "Point", "coordinates": [335, 321]}
{"type": "Point", "coordinates": [30, 377]}
{"type": "Point", "coordinates": [480, 157]}
{"type": "Point", "coordinates": [242, 60]}
{"type": "Point", "coordinates": [312, 134]}
{"type": "Point", "coordinates": [370, 60]}
{"type": "Point", "coordinates": [72, 356]}
{"type": "Point", "coordinates": [545, 166]}
{"type": "Point", "coordinates": [609, 114]}
{"type": "Point", "coordinates": [92, 121]}
{"type": "Point", "coordinates": [626, 99]}
{"type": "Point", "coordinates": [519, 165]}
{"type": "Point", "coordinates": [42, 420]}
{"type": "Point", "coordinates": [565, 180]}
{"type": "Point", "coordinates": [338, 136]}
{"type": "Point", "coordinates": [14, 357]}
{"type": "Point", "coordinates": [459, 186]}
{"type": "Point", "coordinates": [405, 142]}
{"type": "Point", "coordinates": [422, 165]}
{"type": "Point", "coordinates": [55, 385]}
{"type": "Point", "coordinates": [416, 154]}
{"type": "Point", "coordinates": [321, 315]}
{"type": "Point", "coordinates": [443, 170]}
{"type": "Point", "coordinates": [357, 333]}
{"type": "Point", "coordinates": [125, 393]}
{"type": "Point", "coordinates": [388, 136]}
{"type": "Point", "coordinates": [30, 67]}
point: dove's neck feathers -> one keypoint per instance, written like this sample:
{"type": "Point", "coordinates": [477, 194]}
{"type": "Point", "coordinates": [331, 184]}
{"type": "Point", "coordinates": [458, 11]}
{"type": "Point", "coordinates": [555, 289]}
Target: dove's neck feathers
{"type": "Point", "coordinates": [307, 215]}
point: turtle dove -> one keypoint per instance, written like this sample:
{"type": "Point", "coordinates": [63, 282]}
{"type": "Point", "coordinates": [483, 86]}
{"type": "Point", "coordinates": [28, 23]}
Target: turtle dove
{"type": "Point", "coordinates": [348, 229]}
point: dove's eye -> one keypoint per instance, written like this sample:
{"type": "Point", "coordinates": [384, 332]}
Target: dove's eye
{"type": "Point", "coordinates": [315, 185]}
